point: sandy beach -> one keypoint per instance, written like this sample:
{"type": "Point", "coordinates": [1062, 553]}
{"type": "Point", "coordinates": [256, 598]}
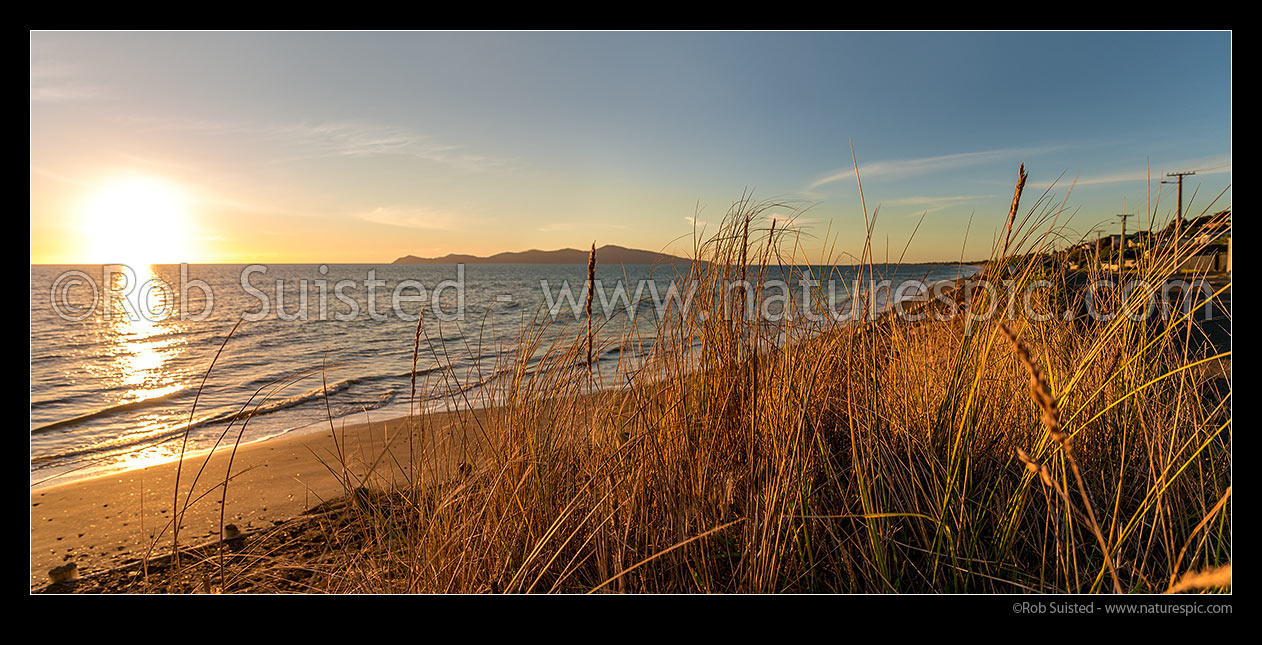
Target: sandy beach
{"type": "Point", "coordinates": [112, 520]}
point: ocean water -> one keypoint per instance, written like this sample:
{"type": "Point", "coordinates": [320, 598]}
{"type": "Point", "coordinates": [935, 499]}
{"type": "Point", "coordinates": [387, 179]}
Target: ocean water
{"type": "Point", "coordinates": [118, 354]}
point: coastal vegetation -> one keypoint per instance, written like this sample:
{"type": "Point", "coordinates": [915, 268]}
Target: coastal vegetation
{"type": "Point", "coordinates": [947, 454]}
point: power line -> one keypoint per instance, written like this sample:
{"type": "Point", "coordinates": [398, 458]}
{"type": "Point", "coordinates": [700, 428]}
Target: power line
{"type": "Point", "coordinates": [1178, 222]}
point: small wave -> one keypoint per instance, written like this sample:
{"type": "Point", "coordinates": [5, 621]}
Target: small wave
{"type": "Point", "coordinates": [52, 401]}
{"type": "Point", "coordinates": [130, 443]}
{"type": "Point", "coordinates": [112, 410]}
{"type": "Point", "coordinates": [633, 347]}
{"type": "Point", "coordinates": [160, 435]}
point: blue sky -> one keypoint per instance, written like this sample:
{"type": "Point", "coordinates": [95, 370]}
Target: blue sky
{"type": "Point", "coordinates": [344, 147]}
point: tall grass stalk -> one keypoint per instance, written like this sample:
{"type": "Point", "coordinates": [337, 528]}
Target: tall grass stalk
{"type": "Point", "coordinates": [808, 454]}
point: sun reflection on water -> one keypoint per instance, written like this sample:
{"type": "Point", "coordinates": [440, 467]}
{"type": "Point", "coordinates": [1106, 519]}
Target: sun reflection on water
{"type": "Point", "coordinates": [144, 342]}
{"type": "Point", "coordinates": [147, 456]}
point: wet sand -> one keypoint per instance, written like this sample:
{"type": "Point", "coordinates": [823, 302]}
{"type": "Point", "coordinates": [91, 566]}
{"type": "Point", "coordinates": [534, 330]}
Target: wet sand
{"type": "Point", "coordinates": [113, 520]}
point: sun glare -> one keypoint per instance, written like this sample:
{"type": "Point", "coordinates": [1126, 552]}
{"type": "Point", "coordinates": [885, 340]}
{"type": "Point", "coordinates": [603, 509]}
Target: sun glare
{"type": "Point", "coordinates": [137, 221]}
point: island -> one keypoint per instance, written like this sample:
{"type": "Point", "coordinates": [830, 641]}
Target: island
{"type": "Point", "coordinates": [608, 254]}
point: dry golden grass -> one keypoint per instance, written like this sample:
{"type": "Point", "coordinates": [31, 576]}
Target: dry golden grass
{"type": "Point", "coordinates": [882, 456]}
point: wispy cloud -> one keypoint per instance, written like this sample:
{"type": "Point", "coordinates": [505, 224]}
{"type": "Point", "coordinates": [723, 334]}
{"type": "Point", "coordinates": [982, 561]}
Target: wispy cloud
{"type": "Point", "coordinates": [157, 163]}
{"type": "Point", "coordinates": [924, 165]}
{"type": "Point", "coordinates": [418, 218]}
{"type": "Point", "coordinates": [565, 227]}
{"type": "Point", "coordinates": [220, 200]}
{"type": "Point", "coordinates": [53, 82]}
{"type": "Point", "coordinates": [352, 139]}
{"type": "Point", "coordinates": [1213, 165]}
{"type": "Point", "coordinates": [933, 201]}
{"type": "Point", "coordinates": [337, 139]}
{"type": "Point", "coordinates": [925, 205]}
{"type": "Point", "coordinates": [786, 222]}
{"type": "Point", "coordinates": [38, 171]}
{"type": "Point", "coordinates": [558, 227]}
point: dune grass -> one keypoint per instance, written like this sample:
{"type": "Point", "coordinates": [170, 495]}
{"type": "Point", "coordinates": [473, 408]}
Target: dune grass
{"type": "Point", "coordinates": [806, 454]}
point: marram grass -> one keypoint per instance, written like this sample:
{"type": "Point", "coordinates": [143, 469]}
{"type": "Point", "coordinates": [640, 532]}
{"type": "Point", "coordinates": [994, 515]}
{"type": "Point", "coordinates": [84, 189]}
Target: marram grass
{"type": "Point", "coordinates": [884, 456]}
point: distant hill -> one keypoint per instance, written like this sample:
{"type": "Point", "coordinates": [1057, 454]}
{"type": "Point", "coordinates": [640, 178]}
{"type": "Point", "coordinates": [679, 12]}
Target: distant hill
{"type": "Point", "coordinates": [608, 254]}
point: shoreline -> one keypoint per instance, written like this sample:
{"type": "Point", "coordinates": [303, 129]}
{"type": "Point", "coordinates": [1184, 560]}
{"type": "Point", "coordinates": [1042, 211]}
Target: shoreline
{"type": "Point", "coordinates": [111, 520]}
{"type": "Point", "coordinates": [90, 472]}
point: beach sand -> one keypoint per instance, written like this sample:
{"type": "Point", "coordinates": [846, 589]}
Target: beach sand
{"type": "Point", "coordinates": [112, 520]}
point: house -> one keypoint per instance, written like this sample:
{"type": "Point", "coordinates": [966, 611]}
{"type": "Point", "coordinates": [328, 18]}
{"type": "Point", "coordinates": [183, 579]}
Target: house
{"type": "Point", "coordinates": [1213, 231]}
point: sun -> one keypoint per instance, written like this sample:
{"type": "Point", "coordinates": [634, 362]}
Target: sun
{"type": "Point", "coordinates": [137, 221]}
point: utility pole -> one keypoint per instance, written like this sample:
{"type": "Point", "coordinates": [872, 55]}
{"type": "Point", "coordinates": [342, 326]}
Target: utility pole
{"type": "Point", "coordinates": [1121, 253]}
{"type": "Point", "coordinates": [1178, 223]}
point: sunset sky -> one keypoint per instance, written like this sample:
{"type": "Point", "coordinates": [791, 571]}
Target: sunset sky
{"type": "Point", "coordinates": [362, 147]}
